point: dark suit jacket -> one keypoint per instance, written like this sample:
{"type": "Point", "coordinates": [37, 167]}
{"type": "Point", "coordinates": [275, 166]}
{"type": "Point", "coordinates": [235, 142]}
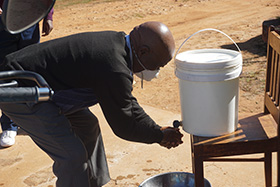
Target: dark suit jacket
{"type": "Point", "coordinates": [96, 60]}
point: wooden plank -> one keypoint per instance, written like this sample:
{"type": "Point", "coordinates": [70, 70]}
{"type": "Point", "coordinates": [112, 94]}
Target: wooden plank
{"type": "Point", "coordinates": [237, 148]}
{"type": "Point", "coordinates": [273, 109]}
{"type": "Point", "coordinates": [268, 68]}
{"type": "Point", "coordinates": [275, 70]}
{"type": "Point", "coordinates": [274, 41]}
{"type": "Point", "coordinates": [276, 98]}
{"type": "Point", "coordinates": [272, 76]}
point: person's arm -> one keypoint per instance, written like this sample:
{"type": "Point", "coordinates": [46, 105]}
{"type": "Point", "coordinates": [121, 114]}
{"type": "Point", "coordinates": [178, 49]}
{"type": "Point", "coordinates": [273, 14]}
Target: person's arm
{"type": "Point", "coordinates": [127, 119]}
{"type": "Point", "coordinates": [48, 23]}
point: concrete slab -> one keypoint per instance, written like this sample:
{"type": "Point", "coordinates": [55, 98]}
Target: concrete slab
{"type": "Point", "coordinates": [24, 164]}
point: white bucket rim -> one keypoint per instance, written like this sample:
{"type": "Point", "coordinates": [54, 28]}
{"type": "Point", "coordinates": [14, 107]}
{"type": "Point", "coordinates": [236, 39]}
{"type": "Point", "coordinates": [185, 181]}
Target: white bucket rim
{"type": "Point", "coordinates": [235, 59]}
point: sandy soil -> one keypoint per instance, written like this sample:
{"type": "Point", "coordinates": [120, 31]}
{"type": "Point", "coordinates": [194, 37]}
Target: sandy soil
{"type": "Point", "coordinates": [241, 20]}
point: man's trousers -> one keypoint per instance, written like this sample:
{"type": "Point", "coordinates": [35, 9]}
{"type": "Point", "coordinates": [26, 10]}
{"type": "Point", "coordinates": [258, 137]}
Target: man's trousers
{"type": "Point", "coordinates": [73, 141]}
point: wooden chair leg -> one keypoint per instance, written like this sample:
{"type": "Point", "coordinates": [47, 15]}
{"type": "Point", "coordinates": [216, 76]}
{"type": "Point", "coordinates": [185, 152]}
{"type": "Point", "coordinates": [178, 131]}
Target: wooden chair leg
{"type": "Point", "coordinates": [268, 168]}
{"type": "Point", "coordinates": [278, 167]}
{"type": "Point", "coordinates": [197, 167]}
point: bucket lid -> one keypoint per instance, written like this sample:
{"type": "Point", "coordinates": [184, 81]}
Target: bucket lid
{"type": "Point", "coordinates": [208, 65]}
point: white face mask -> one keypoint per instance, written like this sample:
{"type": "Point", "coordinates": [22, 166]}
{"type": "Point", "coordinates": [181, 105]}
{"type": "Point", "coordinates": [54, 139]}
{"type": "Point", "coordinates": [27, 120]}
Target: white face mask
{"type": "Point", "coordinates": [147, 75]}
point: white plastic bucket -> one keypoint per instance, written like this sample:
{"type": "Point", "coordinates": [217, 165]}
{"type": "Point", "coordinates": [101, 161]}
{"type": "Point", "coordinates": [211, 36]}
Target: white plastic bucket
{"type": "Point", "coordinates": [209, 89]}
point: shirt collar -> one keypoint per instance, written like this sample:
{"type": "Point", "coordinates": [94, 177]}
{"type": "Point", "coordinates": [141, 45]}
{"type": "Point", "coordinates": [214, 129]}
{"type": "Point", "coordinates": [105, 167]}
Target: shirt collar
{"type": "Point", "coordinates": [127, 38]}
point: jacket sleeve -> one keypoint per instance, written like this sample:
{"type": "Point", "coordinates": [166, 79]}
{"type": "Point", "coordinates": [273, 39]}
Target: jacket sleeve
{"type": "Point", "coordinates": [122, 111]}
{"type": "Point", "coordinates": [50, 15]}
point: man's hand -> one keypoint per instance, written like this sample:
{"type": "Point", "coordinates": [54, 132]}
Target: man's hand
{"type": "Point", "coordinates": [171, 137]}
{"type": "Point", "coordinates": [47, 27]}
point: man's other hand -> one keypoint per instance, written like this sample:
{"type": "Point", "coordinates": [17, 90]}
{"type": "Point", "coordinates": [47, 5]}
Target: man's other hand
{"type": "Point", "coordinates": [47, 27]}
{"type": "Point", "coordinates": [172, 137]}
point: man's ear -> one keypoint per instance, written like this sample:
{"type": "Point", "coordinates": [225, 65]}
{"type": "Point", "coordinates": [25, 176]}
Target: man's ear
{"type": "Point", "coordinates": [144, 50]}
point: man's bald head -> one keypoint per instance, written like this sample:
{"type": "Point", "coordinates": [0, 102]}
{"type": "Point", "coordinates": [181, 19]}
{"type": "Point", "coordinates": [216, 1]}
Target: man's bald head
{"type": "Point", "coordinates": [153, 43]}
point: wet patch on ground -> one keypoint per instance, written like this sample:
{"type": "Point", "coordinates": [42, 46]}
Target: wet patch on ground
{"type": "Point", "coordinates": [41, 177]}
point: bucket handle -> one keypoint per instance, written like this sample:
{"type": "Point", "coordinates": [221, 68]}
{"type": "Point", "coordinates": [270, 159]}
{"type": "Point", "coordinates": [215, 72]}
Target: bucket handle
{"type": "Point", "coordinates": [208, 29]}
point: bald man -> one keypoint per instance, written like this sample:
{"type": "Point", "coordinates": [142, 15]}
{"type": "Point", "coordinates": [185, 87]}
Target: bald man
{"type": "Point", "coordinates": [85, 69]}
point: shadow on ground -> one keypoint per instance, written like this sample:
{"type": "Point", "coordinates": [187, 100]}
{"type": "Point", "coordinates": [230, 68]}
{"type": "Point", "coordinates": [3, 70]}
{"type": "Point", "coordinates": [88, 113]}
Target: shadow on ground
{"type": "Point", "coordinates": [254, 45]}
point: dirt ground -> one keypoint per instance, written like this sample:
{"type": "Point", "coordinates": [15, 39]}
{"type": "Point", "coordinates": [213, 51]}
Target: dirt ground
{"type": "Point", "coordinates": [241, 20]}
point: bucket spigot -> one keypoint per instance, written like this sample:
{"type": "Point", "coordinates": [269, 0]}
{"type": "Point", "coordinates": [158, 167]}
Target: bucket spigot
{"type": "Point", "coordinates": [177, 123]}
